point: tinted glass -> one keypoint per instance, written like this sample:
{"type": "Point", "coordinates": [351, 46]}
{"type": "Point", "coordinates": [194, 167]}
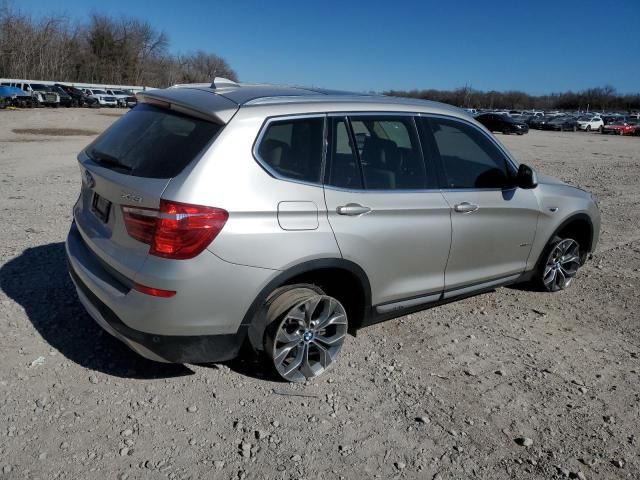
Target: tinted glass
{"type": "Point", "coordinates": [293, 148]}
{"type": "Point", "coordinates": [469, 158]}
{"type": "Point", "coordinates": [343, 170]}
{"type": "Point", "coordinates": [152, 142]}
{"type": "Point", "coordinates": [389, 153]}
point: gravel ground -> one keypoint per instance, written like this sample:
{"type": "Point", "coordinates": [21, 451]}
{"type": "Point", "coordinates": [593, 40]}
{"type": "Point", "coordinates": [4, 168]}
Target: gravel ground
{"type": "Point", "coordinates": [509, 384]}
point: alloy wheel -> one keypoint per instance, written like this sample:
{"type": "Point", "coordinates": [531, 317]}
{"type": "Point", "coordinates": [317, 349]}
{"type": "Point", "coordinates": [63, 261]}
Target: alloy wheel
{"type": "Point", "coordinates": [309, 338]}
{"type": "Point", "coordinates": [562, 265]}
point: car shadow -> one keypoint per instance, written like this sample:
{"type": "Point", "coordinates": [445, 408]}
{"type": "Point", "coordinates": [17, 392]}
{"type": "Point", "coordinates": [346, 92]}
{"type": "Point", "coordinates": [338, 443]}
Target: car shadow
{"type": "Point", "coordinates": [38, 281]}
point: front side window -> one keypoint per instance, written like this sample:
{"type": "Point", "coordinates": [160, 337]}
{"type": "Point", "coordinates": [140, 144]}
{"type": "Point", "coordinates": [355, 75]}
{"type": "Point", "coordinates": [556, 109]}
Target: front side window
{"type": "Point", "coordinates": [293, 148]}
{"type": "Point", "coordinates": [469, 158]}
{"type": "Point", "coordinates": [389, 153]}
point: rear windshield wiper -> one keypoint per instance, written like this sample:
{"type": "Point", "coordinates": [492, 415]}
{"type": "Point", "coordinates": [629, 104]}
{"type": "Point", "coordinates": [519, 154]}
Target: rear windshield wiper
{"type": "Point", "coordinates": [106, 159]}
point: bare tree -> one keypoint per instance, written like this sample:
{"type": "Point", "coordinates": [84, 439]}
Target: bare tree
{"type": "Point", "coordinates": [101, 50]}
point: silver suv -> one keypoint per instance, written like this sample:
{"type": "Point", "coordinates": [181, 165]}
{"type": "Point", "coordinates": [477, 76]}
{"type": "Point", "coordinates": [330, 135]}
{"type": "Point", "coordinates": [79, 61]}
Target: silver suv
{"type": "Point", "coordinates": [210, 217]}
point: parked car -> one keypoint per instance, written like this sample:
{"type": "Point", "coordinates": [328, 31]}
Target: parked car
{"type": "Point", "coordinates": [44, 95]}
{"type": "Point", "coordinates": [131, 100]}
{"type": "Point", "coordinates": [65, 99]}
{"type": "Point", "coordinates": [540, 122]}
{"type": "Point", "coordinates": [208, 219]}
{"type": "Point", "coordinates": [562, 123]}
{"type": "Point", "coordinates": [608, 119]}
{"type": "Point", "coordinates": [15, 97]}
{"type": "Point", "coordinates": [121, 96]}
{"type": "Point", "coordinates": [502, 123]}
{"type": "Point", "coordinates": [40, 93]}
{"type": "Point", "coordinates": [103, 98]}
{"type": "Point", "coordinates": [79, 97]}
{"type": "Point", "coordinates": [621, 127]}
{"type": "Point", "coordinates": [589, 122]}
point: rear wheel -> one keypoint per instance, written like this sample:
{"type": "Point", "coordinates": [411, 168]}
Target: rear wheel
{"type": "Point", "coordinates": [559, 265]}
{"type": "Point", "coordinates": [305, 333]}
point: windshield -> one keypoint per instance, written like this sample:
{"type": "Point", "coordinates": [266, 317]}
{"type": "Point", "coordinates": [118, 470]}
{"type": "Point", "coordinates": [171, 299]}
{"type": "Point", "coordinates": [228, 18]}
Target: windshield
{"type": "Point", "coordinates": [38, 86]}
{"type": "Point", "coordinates": [99, 92]}
{"type": "Point", "coordinates": [117, 92]}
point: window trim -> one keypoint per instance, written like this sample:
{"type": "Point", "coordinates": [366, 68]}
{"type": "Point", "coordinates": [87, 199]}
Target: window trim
{"type": "Point", "coordinates": [510, 164]}
{"type": "Point", "coordinates": [268, 168]}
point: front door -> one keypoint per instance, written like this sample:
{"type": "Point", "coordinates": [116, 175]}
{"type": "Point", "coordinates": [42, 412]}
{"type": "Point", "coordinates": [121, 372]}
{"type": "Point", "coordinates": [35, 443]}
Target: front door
{"type": "Point", "coordinates": [383, 208]}
{"type": "Point", "coordinates": [493, 221]}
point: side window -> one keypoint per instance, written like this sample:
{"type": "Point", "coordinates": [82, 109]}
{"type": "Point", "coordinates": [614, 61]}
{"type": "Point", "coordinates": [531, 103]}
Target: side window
{"type": "Point", "coordinates": [389, 153]}
{"type": "Point", "coordinates": [343, 170]}
{"type": "Point", "coordinates": [293, 148]}
{"type": "Point", "coordinates": [469, 158]}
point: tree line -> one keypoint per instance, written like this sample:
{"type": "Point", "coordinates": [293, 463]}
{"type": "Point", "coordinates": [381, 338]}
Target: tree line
{"type": "Point", "coordinates": [104, 49]}
{"type": "Point", "coordinates": [593, 99]}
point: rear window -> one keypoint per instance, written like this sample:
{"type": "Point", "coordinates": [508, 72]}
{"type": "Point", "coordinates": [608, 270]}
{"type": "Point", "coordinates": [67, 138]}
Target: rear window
{"type": "Point", "coordinates": [152, 142]}
{"type": "Point", "coordinates": [293, 148]}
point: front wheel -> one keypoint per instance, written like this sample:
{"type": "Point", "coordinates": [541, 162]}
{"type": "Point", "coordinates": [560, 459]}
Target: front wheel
{"type": "Point", "coordinates": [305, 333]}
{"type": "Point", "coordinates": [560, 264]}
{"type": "Point", "coordinates": [588, 128]}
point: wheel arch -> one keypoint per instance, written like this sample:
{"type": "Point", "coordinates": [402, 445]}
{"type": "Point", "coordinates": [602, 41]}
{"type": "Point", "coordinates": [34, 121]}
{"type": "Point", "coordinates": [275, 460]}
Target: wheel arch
{"type": "Point", "coordinates": [340, 278]}
{"type": "Point", "coordinates": [580, 227]}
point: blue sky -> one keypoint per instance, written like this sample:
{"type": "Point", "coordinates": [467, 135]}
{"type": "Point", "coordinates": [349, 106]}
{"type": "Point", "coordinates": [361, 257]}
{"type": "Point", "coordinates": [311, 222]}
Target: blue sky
{"type": "Point", "coordinates": [539, 47]}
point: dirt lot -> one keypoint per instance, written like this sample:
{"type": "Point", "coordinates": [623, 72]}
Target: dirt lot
{"type": "Point", "coordinates": [443, 394]}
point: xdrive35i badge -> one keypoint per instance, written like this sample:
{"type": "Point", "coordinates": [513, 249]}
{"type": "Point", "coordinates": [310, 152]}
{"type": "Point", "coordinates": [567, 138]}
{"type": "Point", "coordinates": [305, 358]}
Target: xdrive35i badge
{"type": "Point", "coordinates": [88, 179]}
{"type": "Point", "coordinates": [132, 197]}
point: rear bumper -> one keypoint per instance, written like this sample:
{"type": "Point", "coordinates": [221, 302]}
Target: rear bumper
{"type": "Point", "coordinates": [161, 348]}
{"type": "Point", "coordinates": [198, 328]}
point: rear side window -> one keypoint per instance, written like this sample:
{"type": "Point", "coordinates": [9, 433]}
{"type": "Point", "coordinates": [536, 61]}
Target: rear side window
{"type": "Point", "coordinates": [343, 170]}
{"type": "Point", "coordinates": [293, 148]}
{"type": "Point", "coordinates": [469, 158]}
{"type": "Point", "coordinates": [152, 142]}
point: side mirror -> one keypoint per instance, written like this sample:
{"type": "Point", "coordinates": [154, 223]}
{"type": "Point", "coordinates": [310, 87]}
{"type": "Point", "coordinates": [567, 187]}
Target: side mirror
{"type": "Point", "coordinates": [527, 177]}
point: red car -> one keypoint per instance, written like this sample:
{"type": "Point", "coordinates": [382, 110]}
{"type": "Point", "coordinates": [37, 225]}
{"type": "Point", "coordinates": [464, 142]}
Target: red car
{"type": "Point", "coordinates": [621, 127]}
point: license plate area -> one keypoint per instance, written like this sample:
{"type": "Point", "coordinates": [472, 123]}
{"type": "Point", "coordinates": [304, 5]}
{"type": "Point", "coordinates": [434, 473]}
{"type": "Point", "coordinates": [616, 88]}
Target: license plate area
{"type": "Point", "coordinates": [101, 207]}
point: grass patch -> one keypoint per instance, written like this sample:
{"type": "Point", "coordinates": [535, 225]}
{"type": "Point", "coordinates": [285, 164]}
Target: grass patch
{"type": "Point", "coordinates": [54, 132]}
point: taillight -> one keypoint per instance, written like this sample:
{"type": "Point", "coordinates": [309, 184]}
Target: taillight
{"type": "Point", "coordinates": [177, 230]}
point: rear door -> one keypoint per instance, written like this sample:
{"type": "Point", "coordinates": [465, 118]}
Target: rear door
{"type": "Point", "coordinates": [493, 221]}
{"type": "Point", "coordinates": [384, 208]}
{"type": "Point", "coordinates": [130, 165]}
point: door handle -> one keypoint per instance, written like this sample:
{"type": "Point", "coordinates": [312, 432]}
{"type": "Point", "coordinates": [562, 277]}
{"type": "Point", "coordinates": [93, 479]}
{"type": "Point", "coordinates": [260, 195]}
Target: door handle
{"type": "Point", "coordinates": [352, 209]}
{"type": "Point", "coordinates": [465, 207]}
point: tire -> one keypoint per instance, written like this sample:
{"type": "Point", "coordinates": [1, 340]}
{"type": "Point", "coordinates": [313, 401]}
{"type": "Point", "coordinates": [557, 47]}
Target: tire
{"type": "Point", "coordinates": [305, 332]}
{"type": "Point", "coordinates": [588, 128]}
{"type": "Point", "coordinates": [601, 129]}
{"type": "Point", "coordinates": [621, 133]}
{"type": "Point", "coordinates": [575, 129]}
{"type": "Point", "coordinates": [558, 264]}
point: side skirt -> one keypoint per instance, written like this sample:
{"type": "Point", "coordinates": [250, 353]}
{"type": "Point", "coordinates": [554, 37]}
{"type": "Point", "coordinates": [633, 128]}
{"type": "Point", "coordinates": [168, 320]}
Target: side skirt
{"type": "Point", "coordinates": [387, 311]}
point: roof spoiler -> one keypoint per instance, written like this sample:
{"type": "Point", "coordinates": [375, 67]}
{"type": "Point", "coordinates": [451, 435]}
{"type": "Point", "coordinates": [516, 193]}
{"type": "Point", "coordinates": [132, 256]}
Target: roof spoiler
{"type": "Point", "coordinates": [192, 101]}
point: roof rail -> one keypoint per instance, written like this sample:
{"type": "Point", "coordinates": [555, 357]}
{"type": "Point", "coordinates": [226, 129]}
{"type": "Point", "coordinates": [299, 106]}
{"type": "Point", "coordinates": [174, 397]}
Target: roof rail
{"type": "Point", "coordinates": [220, 82]}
